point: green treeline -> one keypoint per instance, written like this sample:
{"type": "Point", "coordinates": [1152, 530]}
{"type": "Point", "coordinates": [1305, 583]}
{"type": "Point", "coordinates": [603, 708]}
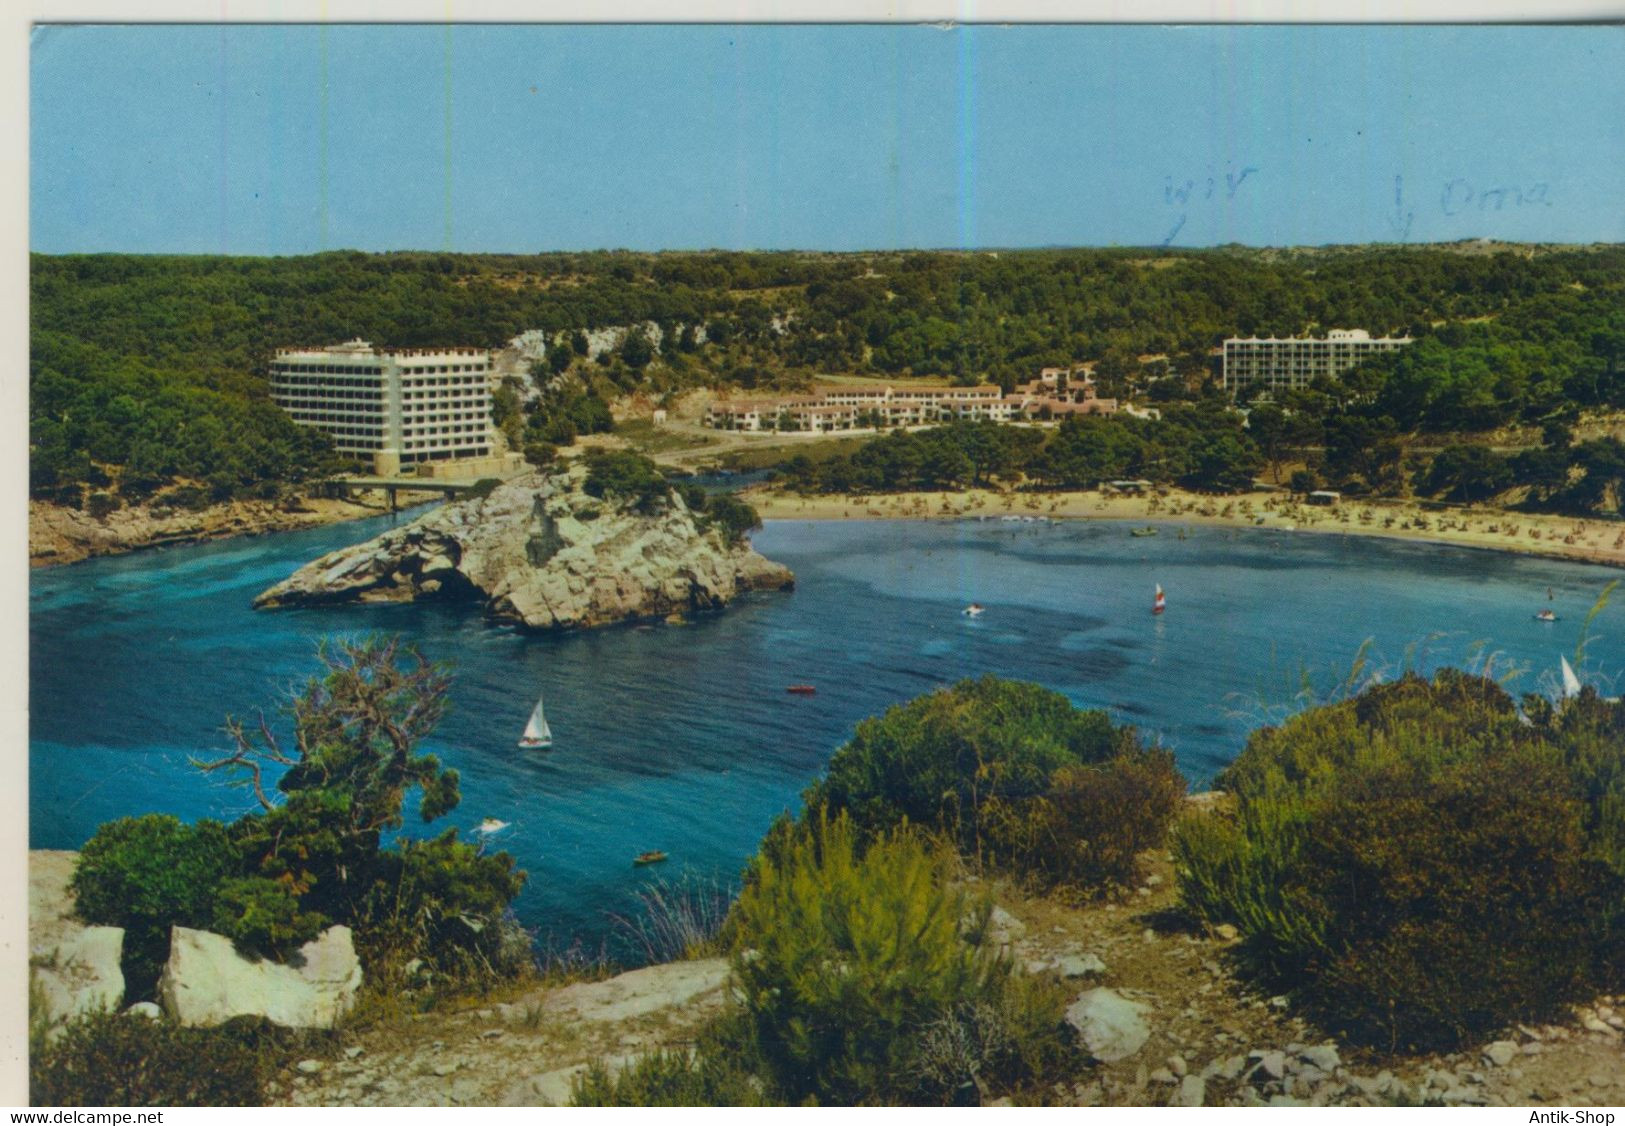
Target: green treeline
{"type": "Point", "coordinates": [146, 370]}
{"type": "Point", "coordinates": [1200, 446]}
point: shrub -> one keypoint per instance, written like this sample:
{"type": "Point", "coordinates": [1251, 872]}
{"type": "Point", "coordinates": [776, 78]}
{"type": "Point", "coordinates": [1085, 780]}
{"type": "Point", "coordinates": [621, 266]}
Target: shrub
{"type": "Point", "coordinates": [1418, 863]}
{"type": "Point", "coordinates": [841, 959]}
{"type": "Point", "coordinates": [262, 916]}
{"type": "Point", "coordinates": [540, 454]}
{"type": "Point", "coordinates": [189, 497]}
{"type": "Point", "coordinates": [445, 902]}
{"type": "Point", "coordinates": [678, 918]}
{"type": "Point", "coordinates": [714, 1073]}
{"type": "Point", "coordinates": [146, 874]}
{"type": "Point", "coordinates": [996, 1042]}
{"type": "Point", "coordinates": [102, 505]}
{"type": "Point", "coordinates": [1088, 829]}
{"type": "Point", "coordinates": [108, 1059]}
{"type": "Point", "coordinates": [1453, 898]}
{"type": "Point", "coordinates": [734, 517]}
{"type": "Point", "coordinates": [1590, 731]}
{"type": "Point", "coordinates": [483, 488]}
{"type": "Point", "coordinates": [628, 476]}
{"type": "Point", "coordinates": [938, 760]}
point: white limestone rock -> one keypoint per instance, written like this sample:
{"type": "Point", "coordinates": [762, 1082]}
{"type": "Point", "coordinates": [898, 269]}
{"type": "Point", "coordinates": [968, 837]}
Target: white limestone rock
{"type": "Point", "coordinates": [1192, 1091]}
{"type": "Point", "coordinates": [207, 982]}
{"type": "Point", "coordinates": [80, 974]}
{"type": "Point", "coordinates": [75, 968]}
{"type": "Point", "coordinates": [1501, 1053]}
{"type": "Point", "coordinates": [542, 553]}
{"type": "Point", "coordinates": [1080, 965]}
{"type": "Point", "coordinates": [639, 993]}
{"type": "Point", "coordinates": [1110, 1026]}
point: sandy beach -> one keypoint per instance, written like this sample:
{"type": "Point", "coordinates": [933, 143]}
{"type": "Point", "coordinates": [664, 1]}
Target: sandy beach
{"type": "Point", "coordinates": [1559, 537]}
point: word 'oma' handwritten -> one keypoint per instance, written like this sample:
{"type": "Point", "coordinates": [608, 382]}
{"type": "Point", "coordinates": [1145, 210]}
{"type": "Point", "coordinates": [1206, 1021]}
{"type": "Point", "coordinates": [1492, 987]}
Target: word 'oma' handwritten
{"type": "Point", "coordinates": [1458, 196]}
{"type": "Point", "coordinates": [1183, 194]}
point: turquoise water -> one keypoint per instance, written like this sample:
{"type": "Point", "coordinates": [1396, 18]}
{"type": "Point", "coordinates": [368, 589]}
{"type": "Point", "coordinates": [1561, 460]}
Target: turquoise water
{"type": "Point", "coordinates": [683, 738]}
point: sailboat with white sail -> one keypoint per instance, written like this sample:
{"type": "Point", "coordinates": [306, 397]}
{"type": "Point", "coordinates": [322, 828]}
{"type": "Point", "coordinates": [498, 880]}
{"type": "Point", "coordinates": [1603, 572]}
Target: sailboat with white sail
{"type": "Point", "coordinates": [538, 736]}
{"type": "Point", "coordinates": [1160, 602]}
{"type": "Point", "coordinates": [1571, 683]}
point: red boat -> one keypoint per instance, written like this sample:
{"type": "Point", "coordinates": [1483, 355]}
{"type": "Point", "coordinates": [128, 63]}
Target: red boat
{"type": "Point", "coordinates": [802, 690]}
{"type": "Point", "coordinates": [1160, 603]}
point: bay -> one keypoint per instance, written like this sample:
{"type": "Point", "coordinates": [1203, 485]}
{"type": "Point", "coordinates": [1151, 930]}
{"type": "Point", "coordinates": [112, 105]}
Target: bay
{"type": "Point", "coordinates": [682, 738]}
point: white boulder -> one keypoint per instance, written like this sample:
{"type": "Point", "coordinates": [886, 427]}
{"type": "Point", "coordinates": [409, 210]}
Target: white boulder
{"type": "Point", "coordinates": [207, 982]}
{"type": "Point", "coordinates": [80, 974]}
{"type": "Point", "coordinates": [640, 993]}
{"type": "Point", "coordinates": [1110, 1025]}
{"type": "Point", "coordinates": [75, 968]}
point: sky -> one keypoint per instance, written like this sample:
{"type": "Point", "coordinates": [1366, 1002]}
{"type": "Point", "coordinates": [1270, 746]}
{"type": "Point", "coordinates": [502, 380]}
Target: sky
{"type": "Point", "coordinates": [291, 139]}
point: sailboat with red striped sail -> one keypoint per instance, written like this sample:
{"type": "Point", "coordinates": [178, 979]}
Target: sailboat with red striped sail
{"type": "Point", "coordinates": [1160, 603]}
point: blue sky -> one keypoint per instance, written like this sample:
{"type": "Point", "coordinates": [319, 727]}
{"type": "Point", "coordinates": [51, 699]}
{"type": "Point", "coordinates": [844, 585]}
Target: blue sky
{"type": "Point", "coordinates": [292, 139]}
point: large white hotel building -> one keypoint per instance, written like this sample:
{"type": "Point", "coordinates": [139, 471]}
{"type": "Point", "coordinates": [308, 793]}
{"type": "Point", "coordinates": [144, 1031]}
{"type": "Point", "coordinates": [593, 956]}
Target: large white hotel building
{"type": "Point", "coordinates": [394, 408]}
{"type": "Point", "coordinates": [1280, 364]}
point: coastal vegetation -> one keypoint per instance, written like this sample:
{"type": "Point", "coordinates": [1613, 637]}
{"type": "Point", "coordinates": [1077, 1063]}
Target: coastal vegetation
{"type": "Point", "coordinates": [314, 854]}
{"type": "Point", "coordinates": [1414, 867]}
{"type": "Point", "coordinates": [867, 971]}
{"type": "Point", "coordinates": [1417, 867]}
{"type": "Point", "coordinates": [1201, 446]}
{"type": "Point", "coordinates": [110, 1059]}
{"type": "Point", "coordinates": [1014, 777]}
{"type": "Point", "coordinates": [1425, 863]}
{"type": "Point", "coordinates": [147, 373]}
{"type": "Point", "coordinates": [865, 975]}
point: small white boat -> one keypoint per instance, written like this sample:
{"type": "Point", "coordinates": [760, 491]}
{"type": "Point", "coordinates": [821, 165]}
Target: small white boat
{"type": "Point", "coordinates": [491, 825]}
{"type": "Point", "coordinates": [1546, 616]}
{"type": "Point", "coordinates": [1160, 602]}
{"type": "Point", "coordinates": [537, 736]}
{"type": "Point", "coordinates": [1571, 683]}
{"type": "Point", "coordinates": [974, 610]}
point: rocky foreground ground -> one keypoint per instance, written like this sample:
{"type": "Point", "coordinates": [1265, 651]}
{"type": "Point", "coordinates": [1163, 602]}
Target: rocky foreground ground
{"type": "Point", "coordinates": [1158, 1006]}
{"type": "Point", "coordinates": [1161, 1015]}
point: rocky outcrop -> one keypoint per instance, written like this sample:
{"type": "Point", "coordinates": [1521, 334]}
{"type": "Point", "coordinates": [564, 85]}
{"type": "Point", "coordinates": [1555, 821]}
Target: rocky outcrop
{"type": "Point", "coordinates": [75, 968]}
{"type": "Point", "coordinates": [540, 552]}
{"type": "Point", "coordinates": [639, 993]}
{"type": "Point", "coordinates": [57, 534]}
{"type": "Point", "coordinates": [207, 982]}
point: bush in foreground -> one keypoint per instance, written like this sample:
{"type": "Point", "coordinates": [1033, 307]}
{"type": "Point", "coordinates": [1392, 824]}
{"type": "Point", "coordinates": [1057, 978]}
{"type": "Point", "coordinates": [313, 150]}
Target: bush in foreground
{"type": "Point", "coordinates": [146, 874]}
{"type": "Point", "coordinates": [938, 760]}
{"type": "Point", "coordinates": [1087, 830]}
{"type": "Point", "coordinates": [1016, 776]}
{"type": "Point", "coordinates": [713, 1073]}
{"type": "Point", "coordinates": [109, 1059]}
{"type": "Point", "coordinates": [844, 958]}
{"type": "Point", "coordinates": [1421, 864]}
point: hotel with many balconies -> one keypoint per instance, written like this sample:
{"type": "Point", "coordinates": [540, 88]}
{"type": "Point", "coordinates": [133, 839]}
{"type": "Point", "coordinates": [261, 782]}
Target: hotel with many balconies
{"type": "Point", "coordinates": [1280, 364]}
{"type": "Point", "coordinates": [392, 408]}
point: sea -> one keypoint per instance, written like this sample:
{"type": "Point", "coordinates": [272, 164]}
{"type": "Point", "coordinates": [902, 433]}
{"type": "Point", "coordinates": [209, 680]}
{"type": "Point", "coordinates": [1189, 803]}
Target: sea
{"type": "Point", "coordinates": [683, 739]}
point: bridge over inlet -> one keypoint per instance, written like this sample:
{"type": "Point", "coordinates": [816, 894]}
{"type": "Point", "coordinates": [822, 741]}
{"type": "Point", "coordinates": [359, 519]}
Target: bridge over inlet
{"type": "Point", "coordinates": [450, 487]}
